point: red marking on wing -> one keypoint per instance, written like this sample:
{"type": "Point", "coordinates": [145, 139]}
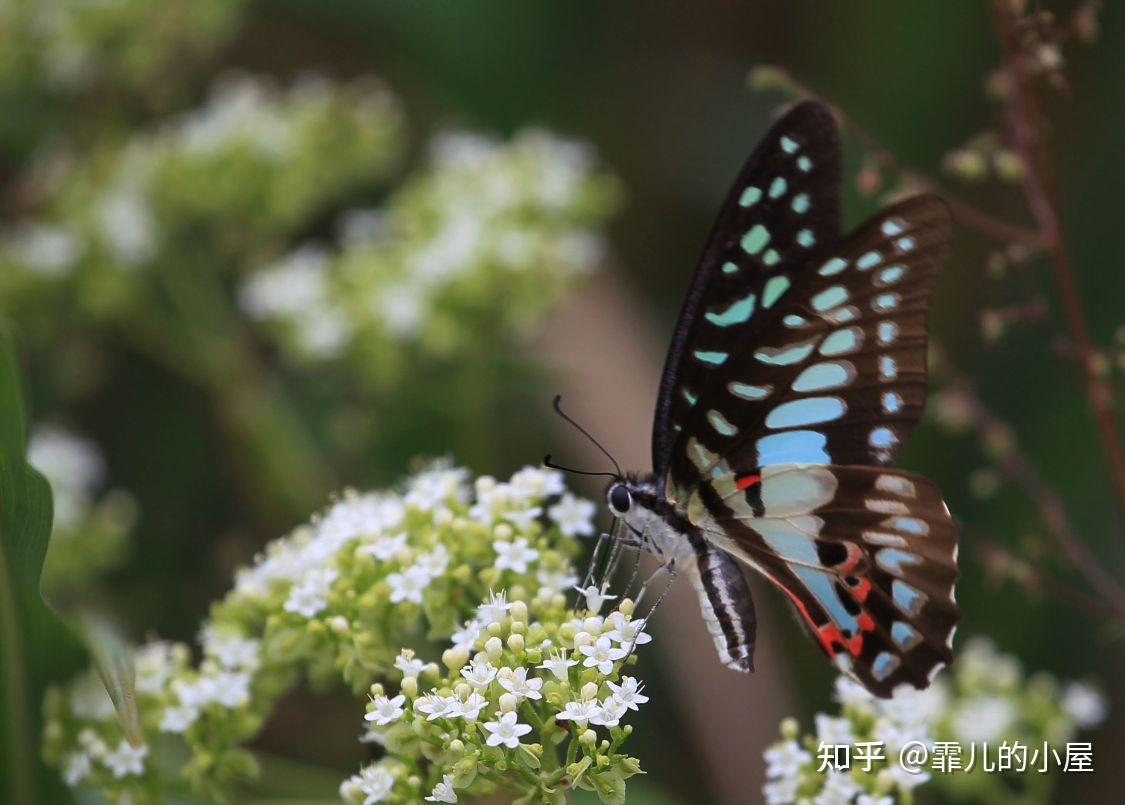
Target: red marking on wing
{"type": "Point", "coordinates": [746, 481]}
{"type": "Point", "coordinates": [855, 645]}
{"type": "Point", "coordinates": [865, 621]}
{"type": "Point", "coordinates": [861, 590]}
{"type": "Point", "coordinates": [851, 560]}
{"type": "Point", "coordinates": [825, 642]}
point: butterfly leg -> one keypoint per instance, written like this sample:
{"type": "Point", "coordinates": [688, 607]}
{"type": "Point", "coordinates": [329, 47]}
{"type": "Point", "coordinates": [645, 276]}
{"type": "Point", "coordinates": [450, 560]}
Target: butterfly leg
{"type": "Point", "coordinates": [670, 567]}
{"type": "Point", "coordinates": [588, 579]}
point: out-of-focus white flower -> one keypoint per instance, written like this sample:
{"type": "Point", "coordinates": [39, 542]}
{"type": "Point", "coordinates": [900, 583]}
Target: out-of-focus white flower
{"type": "Point", "coordinates": [409, 665]}
{"type": "Point", "coordinates": [127, 227]}
{"type": "Point", "coordinates": [409, 585]}
{"type": "Point", "coordinates": [125, 759]}
{"type": "Point", "coordinates": [595, 596]}
{"type": "Point", "coordinates": [467, 635]}
{"type": "Point", "coordinates": [73, 466]}
{"type": "Point", "coordinates": [46, 250]}
{"type": "Point", "coordinates": [785, 759]}
{"type": "Point", "coordinates": [506, 731]}
{"type": "Point", "coordinates": [1085, 704]}
{"type": "Point", "coordinates": [781, 791]}
{"type": "Point", "coordinates": [443, 791]}
{"type": "Point", "coordinates": [514, 555]}
{"type": "Point", "coordinates": [178, 718]}
{"type": "Point", "coordinates": [495, 609]}
{"type": "Point", "coordinates": [386, 548]}
{"type": "Point", "coordinates": [834, 731]}
{"type": "Point", "coordinates": [75, 768]}
{"type": "Point", "coordinates": [385, 710]}
{"type": "Point", "coordinates": [839, 789]}
{"type": "Point", "coordinates": [231, 649]}
{"type": "Point", "coordinates": [310, 595]}
{"type": "Point", "coordinates": [534, 482]}
{"type": "Point", "coordinates": [850, 693]}
{"type": "Point", "coordinates": [983, 718]}
{"type": "Point", "coordinates": [555, 581]}
{"type": "Point", "coordinates": [574, 515]}
{"type": "Point", "coordinates": [375, 782]}
{"type": "Point", "coordinates": [232, 689]}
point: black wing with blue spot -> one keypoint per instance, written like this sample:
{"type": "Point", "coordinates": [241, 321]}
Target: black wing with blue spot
{"type": "Point", "coordinates": [784, 201]}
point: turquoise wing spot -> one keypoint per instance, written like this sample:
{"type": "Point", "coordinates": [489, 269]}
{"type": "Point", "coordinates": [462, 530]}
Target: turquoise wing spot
{"type": "Point", "coordinates": [891, 226]}
{"type": "Point", "coordinates": [749, 392]}
{"type": "Point", "coordinates": [794, 321]}
{"type": "Point", "coordinates": [829, 298]}
{"type": "Point", "coordinates": [907, 598]}
{"type": "Point", "coordinates": [905, 244]}
{"type": "Point", "coordinates": [821, 376]}
{"type": "Point", "coordinates": [750, 197]}
{"type": "Point", "coordinates": [804, 163]}
{"type": "Point", "coordinates": [894, 560]}
{"type": "Point", "coordinates": [720, 423]}
{"type": "Point", "coordinates": [888, 369]}
{"type": "Point", "coordinates": [869, 260]}
{"type": "Point", "coordinates": [891, 275]}
{"type": "Point", "coordinates": [786, 355]}
{"type": "Point", "coordinates": [778, 187]}
{"type": "Point", "coordinates": [887, 332]}
{"type": "Point", "coordinates": [885, 302]}
{"type": "Point", "coordinates": [806, 238]}
{"type": "Point", "coordinates": [905, 636]}
{"type": "Point", "coordinates": [775, 287]}
{"type": "Point", "coordinates": [730, 268]}
{"type": "Point", "coordinates": [793, 446]}
{"type": "Point", "coordinates": [738, 313]}
{"type": "Point", "coordinates": [771, 257]}
{"type": "Point", "coordinates": [754, 240]}
{"type": "Point", "coordinates": [832, 267]}
{"type": "Point", "coordinates": [809, 411]}
{"type": "Point", "coordinates": [892, 402]}
{"type": "Point", "coordinates": [841, 342]}
{"type": "Point", "coordinates": [710, 357]}
{"type": "Point", "coordinates": [800, 203]}
{"type": "Point", "coordinates": [788, 145]}
{"type": "Point", "coordinates": [691, 398]}
{"type": "Point", "coordinates": [884, 665]}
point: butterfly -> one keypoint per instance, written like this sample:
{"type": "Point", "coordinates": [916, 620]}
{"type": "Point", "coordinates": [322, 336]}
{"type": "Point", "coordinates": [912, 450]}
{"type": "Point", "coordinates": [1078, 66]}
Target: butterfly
{"type": "Point", "coordinates": [796, 373]}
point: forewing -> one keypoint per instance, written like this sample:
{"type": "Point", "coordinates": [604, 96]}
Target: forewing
{"type": "Point", "coordinates": [784, 201]}
{"type": "Point", "coordinates": [832, 369]}
{"type": "Point", "coordinates": [867, 556]}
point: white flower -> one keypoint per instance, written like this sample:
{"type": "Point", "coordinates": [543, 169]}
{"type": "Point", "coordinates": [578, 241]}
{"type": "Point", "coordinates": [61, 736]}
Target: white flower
{"type": "Point", "coordinates": [178, 718]}
{"type": "Point", "coordinates": [602, 655]}
{"type": "Point", "coordinates": [785, 759]}
{"type": "Point", "coordinates": [386, 548]}
{"type": "Point", "coordinates": [435, 562]}
{"type": "Point", "coordinates": [154, 665]}
{"type": "Point", "coordinates": [867, 799]}
{"type": "Point", "coordinates": [409, 585]}
{"type": "Point", "coordinates": [433, 706]}
{"type": "Point", "coordinates": [628, 692]}
{"type": "Point", "coordinates": [232, 689]}
{"type": "Point", "coordinates": [127, 227]}
{"type": "Point", "coordinates": [469, 708]}
{"type": "Point", "coordinates": [534, 482]}
{"type": "Point", "coordinates": [506, 731]}
{"type": "Point", "coordinates": [409, 665]}
{"type": "Point", "coordinates": [125, 759]}
{"type": "Point", "coordinates": [195, 693]}
{"type": "Point", "coordinates": [554, 581]}
{"type": "Point", "coordinates": [523, 518]}
{"type": "Point", "coordinates": [558, 664]}
{"type": "Point", "coordinates": [514, 555]}
{"type": "Point", "coordinates": [983, 718]}
{"type": "Point", "coordinates": [385, 710]}
{"type": "Point", "coordinates": [73, 465]}
{"type": "Point", "coordinates": [495, 610]}
{"type": "Point", "coordinates": [594, 596]}
{"type": "Point", "coordinates": [905, 779]}
{"type": "Point", "coordinates": [579, 712]}
{"type": "Point", "coordinates": [574, 515]}
{"type": "Point", "coordinates": [834, 731]}
{"type": "Point", "coordinates": [609, 712]}
{"type": "Point", "coordinates": [781, 792]}
{"type": "Point", "coordinates": [429, 490]}
{"type": "Point", "coordinates": [75, 768]}
{"type": "Point", "coordinates": [443, 791]}
{"type": "Point", "coordinates": [374, 782]}
{"type": "Point", "coordinates": [516, 682]}
{"type": "Point", "coordinates": [627, 631]}
{"type": "Point", "coordinates": [850, 693]}
{"type": "Point", "coordinates": [310, 595]}
{"type": "Point", "coordinates": [839, 789]}
{"type": "Point", "coordinates": [479, 674]}
{"type": "Point", "coordinates": [231, 649]}
{"type": "Point", "coordinates": [467, 635]}
{"type": "Point", "coordinates": [49, 251]}
{"type": "Point", "coordinates": [1084, 703]}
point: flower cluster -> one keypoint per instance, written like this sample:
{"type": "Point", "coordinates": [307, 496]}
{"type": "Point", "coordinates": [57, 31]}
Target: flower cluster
{"type": "Point", "coordinates": [334, 601]}
{"type": "Point", "coordinates": [984, 698]}
{"type": "Point", "coordinates": [253, 162]}
{"type": "Point", "coordinates": [91, 532]}
{"type": "Point", "coordinates": [65, 46]}
{"type": "Point", "coordinates": [482, 222]}
{"type": "Point", "coordinates": [525, 688]}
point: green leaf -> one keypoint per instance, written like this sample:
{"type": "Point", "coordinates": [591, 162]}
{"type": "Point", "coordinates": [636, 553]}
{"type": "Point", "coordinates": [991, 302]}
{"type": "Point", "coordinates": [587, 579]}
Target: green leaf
{"type": "Point", "coordinates": [33, 639]}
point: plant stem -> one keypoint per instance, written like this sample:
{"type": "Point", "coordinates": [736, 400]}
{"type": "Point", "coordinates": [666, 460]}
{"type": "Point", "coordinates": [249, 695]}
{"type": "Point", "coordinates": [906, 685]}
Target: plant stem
{"type": "Point", "coordinates": [1027, 138]}
{"type": "Point", "coordinates": [19, 738]}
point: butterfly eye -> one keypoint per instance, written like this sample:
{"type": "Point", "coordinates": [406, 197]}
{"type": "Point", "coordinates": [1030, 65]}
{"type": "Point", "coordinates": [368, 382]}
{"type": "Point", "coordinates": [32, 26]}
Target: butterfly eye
{"type": "Point", "coordinates": [619, 499]}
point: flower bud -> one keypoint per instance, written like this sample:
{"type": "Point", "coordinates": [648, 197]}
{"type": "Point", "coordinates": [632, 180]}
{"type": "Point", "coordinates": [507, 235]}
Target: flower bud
{"type": "Point", "coordinates": [502, 531]}
{"type": "Point", "coordinates": [790, 729]}
{"type": "Point", "coordinates": [515, 643]}
{"type": "Point", "coordinates": [494, 648]}
{"type": "Point", "coordinates": [377, 689]}
{"type": "Point", "coordinates": [456, 746]}
{"type": "Point", "coordinates": [508, 703]}
{"type": "Point", "coordinates": [410, 686]}
{"type": "Point", "coordinates": [338, 624]}
{"type": "Point", "coordinates": [589, 691]}
{"type": "Point", "coordinates": [463, 690]}
{"type": "Point", "coordinates": [588, 738]}
{"type": "Point", "coordinates": [593, 625]}
{"type": "Point", "coordinates": [454, 658]}
{"type": "Point", "coordinates": [626, 607]}
{"type": "Point", "coordinates": [494, 629]}
{"type": "Point", "coordinates": [518, 627]}
{"type": "Point", "coordinates": [519, 611]}
{"type": "Point", "coordinates": [583, 639]}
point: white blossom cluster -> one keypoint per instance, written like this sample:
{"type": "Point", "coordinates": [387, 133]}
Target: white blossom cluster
{"type": "Point", "coordinates": [334, 601]}
{"type": "Point", "coordinates": [67, 46]}
{"type": "Point", "coordinates": [91, 530]}
{"type": "Point", "coordinates": [519, 682]}
{"type": "Point", "coordinates": [253, 162]}
{"type": "Point", "coordinates": [486, 234]}
{"type": "Point", "coordinates": [983, 698]}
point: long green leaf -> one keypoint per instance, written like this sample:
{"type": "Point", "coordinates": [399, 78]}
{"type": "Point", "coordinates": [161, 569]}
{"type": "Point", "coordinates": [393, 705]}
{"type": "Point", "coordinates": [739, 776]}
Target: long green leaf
{"type": "Point", "coordinates": [33, 638]}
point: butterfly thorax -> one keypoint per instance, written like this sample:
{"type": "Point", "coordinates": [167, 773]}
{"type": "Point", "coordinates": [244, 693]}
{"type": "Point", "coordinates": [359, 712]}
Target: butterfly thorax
{"type": "Point", "coordinates": [656, 523]}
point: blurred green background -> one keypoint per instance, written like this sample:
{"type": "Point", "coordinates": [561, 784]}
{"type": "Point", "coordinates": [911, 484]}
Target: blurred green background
{"type": "Point", "coordinates": [660, 91]}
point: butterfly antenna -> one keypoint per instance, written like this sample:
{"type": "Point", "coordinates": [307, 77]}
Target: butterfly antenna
{"type": "Point", "coordinates": [558, 410]}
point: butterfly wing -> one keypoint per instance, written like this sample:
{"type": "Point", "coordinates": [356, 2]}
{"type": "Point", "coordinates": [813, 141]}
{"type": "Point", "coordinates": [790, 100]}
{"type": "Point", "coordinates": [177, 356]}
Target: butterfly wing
{"type": "Point", "coordinates": [867, 555]}
{"type": "Point", "coordinates": [786, 195]}
{"type": "Point", "coordinates": [835, 371]}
